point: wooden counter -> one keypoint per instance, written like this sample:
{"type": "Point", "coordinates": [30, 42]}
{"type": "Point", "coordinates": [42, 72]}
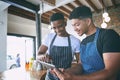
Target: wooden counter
{"type": "Point", "coordinates": [21, 74]}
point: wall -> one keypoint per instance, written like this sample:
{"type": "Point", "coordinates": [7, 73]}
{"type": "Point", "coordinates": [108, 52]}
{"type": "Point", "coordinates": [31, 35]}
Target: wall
{"type": "Point", "coordinates": [3, 35]}
{"type": "Point", "coordinates": [114, 23]}
{"type": "Point", "coordinates": [19, 25]}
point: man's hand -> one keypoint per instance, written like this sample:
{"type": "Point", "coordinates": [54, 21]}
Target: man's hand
{"type": "Point", "coordinates": [68, 74]}
{"type": "Point", "coordinates": [62, 75]}
{"type": "Point", "coordinates": [75, 69]}
{"type": "Point", "coordinates": [41, 55]}
{"type": "Point", "coordinates": [44, 58]}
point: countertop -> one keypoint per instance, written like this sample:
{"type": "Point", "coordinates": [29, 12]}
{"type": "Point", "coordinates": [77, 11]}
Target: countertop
{"type": "Point", "coordinates": [21, 74]}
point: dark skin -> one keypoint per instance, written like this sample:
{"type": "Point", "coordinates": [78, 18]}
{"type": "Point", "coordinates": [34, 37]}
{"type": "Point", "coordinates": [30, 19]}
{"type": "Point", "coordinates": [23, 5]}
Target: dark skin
{"type": "Point", "coordinates": [111, 59]}
{"type": "Point", "coordinates": [59, 27]}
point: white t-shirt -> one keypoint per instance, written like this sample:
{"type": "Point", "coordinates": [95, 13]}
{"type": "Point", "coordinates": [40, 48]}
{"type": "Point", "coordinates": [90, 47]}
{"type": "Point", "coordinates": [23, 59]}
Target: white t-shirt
{"type": "Point", "coordinates": [62, 41]}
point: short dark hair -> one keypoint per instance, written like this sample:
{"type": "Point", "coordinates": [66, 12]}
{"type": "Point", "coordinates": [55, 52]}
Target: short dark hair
{"type": "Point", "coordinates": [81, 12]}
{"type": "Point", "coordinates": [57, 16]}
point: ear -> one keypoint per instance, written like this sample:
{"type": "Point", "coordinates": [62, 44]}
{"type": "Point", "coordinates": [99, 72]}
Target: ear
{"type": "Point", "coordinates": [89, 21]}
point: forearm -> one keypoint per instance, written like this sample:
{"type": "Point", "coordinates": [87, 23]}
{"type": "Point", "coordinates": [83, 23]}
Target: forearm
{"type": "Point", "coordinates": [100, 75]}
{"type": "Point", "coordinates": [40, 53]}
{"type": "Point", "coordinates": [42, 50]}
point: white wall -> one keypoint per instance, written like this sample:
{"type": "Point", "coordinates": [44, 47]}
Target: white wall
{"type": "Point", "coordinates": [19, 25]}
{"type": "Point", "coordinates": [3, 35]}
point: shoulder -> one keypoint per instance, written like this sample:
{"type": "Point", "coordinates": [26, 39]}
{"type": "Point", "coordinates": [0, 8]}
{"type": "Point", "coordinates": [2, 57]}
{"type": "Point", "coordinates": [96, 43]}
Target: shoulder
{"type": "Point", "coordinates": [108, 38]}
{"type": "Point", "coordinates": [108, 41]}
{"type": "Point", "coordinates": [48, 38]}
{"type": "Point", "coordinates": [51, 34]}
{"type": "Point", "coordinates": [108, 33]}
{"type": "Point", "coordinates": [74, 39]}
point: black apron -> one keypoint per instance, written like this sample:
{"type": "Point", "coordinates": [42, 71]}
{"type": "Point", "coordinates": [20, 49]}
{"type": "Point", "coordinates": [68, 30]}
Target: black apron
{"type": "Point", "coordinates": [61, 57]}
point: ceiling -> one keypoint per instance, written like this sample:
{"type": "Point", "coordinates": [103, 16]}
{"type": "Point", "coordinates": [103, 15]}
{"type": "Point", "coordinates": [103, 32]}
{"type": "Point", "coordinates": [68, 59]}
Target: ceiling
{"type": "Point", "coordinates": [48, 7]}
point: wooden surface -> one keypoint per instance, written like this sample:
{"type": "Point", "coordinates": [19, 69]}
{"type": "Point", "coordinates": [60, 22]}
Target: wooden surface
{"type": "Point", "coordinates": [21, 74]}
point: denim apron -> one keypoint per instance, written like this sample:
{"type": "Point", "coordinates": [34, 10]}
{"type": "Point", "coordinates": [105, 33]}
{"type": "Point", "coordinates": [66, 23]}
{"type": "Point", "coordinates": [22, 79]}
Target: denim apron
{"type": "Point", "coordinates": [61, 57]}
{"type": "Point", "coordinates": [90, 57]}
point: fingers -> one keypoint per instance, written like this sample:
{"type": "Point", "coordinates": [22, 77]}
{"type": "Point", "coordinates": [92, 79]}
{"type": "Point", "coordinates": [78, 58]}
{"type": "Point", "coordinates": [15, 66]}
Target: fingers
{"type": "Point", "coordinates": [43, 58]}
{"type": "Point", "coordinates": [52, 72]}
{"type": "Point", "coordinates": [58, 73]}
{"type": "Point", "coordinates": [62, 69]}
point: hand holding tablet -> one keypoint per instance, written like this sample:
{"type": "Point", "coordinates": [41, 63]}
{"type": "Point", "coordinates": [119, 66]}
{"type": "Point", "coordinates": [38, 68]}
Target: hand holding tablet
{"type": "Point", "coordinates": [46, 65]}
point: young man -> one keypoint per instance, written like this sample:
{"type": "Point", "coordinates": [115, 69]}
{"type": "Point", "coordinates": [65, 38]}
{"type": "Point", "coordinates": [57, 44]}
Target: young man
{"type": "Point", "coordinates": [61, 46]}
{"type": "Point", "coordinates": [99, 51]}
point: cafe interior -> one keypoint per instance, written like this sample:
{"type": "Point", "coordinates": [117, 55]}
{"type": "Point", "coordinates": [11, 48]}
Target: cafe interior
{"type": "Point", "coordinates": [31, 19]}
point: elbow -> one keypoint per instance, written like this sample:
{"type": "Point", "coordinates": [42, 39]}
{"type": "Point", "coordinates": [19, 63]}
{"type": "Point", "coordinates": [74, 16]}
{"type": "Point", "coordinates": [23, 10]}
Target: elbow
{"type": "Point", "coordinates": [110, 75]}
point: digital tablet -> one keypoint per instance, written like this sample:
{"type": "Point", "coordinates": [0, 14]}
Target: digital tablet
{"type": "Point", "coordinates": [46, 65]}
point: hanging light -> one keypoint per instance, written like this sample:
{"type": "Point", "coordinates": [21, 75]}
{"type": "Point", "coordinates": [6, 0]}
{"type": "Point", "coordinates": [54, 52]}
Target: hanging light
{"type": "Point", "coordinates": [105, 14]}
{"type": "Point", "coordinates": [104, 25]}
{"type": "Point", "coordinates": [107, 19]}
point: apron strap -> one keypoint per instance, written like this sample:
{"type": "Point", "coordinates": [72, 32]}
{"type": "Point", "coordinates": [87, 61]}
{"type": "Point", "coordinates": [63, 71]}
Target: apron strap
{"type": "Point", "coordinates": [53, 40]}
{"type": "Point", "coordinates": [96, 35]}
{"type": "Point", "coordinates": [69, 42]}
